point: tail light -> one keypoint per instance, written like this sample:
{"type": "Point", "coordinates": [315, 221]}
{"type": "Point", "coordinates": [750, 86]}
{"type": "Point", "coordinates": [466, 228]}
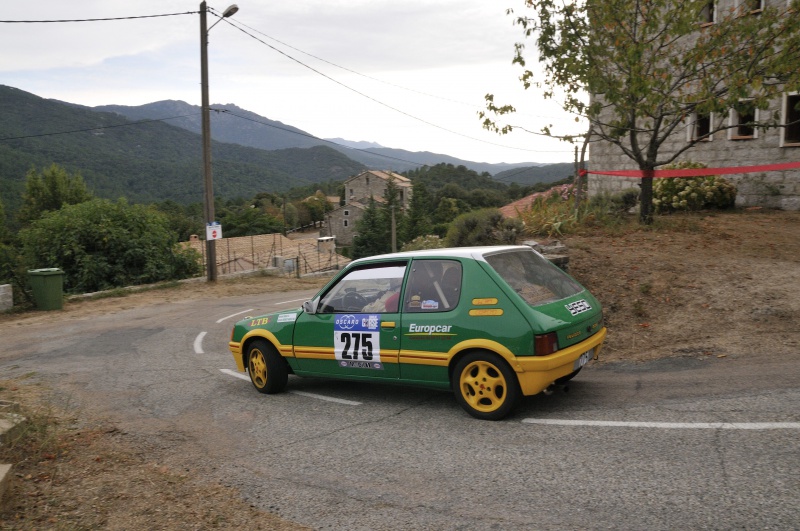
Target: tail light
{"type": "Point", "coordinates": [545, 344]}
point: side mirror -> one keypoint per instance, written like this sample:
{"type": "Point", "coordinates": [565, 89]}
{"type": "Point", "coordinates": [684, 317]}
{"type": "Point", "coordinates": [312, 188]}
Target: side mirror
{"type": "Point", "coordinates": [310, 307]}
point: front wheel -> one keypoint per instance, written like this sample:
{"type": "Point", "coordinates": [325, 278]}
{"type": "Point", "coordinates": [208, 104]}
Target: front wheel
{"type": "Point", "coordinates": [485, 386]}
{"type": "Point", "coordinates": [267, 369]}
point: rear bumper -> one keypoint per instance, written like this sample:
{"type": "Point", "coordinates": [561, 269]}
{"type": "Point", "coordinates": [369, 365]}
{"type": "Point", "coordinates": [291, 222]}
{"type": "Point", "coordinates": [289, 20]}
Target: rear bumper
{"type": "Point", "coordinates": [536, 373]}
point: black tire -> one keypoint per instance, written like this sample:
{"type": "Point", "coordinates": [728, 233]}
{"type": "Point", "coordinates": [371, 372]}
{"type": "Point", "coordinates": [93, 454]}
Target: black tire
{"type": "Point", "coordinates": [485, 386]}
{"type": "Point", "coordinates": [267, 369]}
{"type": "Point", "coordinates": [570, 376]}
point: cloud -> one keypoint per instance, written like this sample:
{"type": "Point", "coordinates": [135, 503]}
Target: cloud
{"type": "Point", "coordinates": [448, 54]}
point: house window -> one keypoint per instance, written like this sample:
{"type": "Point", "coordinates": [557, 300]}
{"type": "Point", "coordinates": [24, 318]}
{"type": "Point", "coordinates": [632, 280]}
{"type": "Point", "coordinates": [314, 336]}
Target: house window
{"type": "Point", "coordinates": [367, 181]}
{"type": "Point", "coordinates": [742, 122]}
{"type": "Point", "coordinates": [346, 212]}
{"type": "Point", "coordinates": [701, 128]}
{"type": "Point", "coordinates": [791, 120]}
{"type": "Point", "coordinates": [709, 14]}
{"type": "Point", "coordinates": [345, 222]}
{"type": "Point", "coordinates": [401, 196]}
{"type": "Point", "coordinates": [750, 7]}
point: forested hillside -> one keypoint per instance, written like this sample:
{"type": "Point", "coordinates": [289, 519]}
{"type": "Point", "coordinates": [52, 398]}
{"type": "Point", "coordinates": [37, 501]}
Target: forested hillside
{"type": "Point", "coordinates": [144, 162]}
{"type": "Point", "coordinates": [239, 126]}
{"type": "Point", "coordinates": [537, 174]}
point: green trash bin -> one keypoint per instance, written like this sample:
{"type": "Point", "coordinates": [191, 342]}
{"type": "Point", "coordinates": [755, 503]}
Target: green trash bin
{"type": "Point", "coordinates": [48, 286]}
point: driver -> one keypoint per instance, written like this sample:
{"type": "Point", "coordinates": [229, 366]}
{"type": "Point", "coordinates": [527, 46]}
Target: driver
{"type": "Point", "coordinates": [388, 301]}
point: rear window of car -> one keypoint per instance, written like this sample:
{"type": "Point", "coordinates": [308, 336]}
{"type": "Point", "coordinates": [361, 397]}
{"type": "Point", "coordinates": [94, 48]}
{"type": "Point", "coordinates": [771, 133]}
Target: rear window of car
{"type": "Point", "coordinates": [533, 277]}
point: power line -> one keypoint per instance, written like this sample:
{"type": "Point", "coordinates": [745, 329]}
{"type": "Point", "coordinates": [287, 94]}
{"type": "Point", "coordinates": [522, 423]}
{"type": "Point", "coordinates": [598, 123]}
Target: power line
{"type": "Point", "coordinates": [93, 19]}
{"type": "Point", "coordinates": [346, 69]}
{"type": "Point", "coordinates": [98, 128]}
{"type": "Point", "coordinates": [426, 122]}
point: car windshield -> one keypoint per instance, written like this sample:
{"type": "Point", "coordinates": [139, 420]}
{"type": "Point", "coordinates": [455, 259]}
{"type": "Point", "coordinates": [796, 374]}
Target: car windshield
{"type": "Point", "coordinates": [533, 277]}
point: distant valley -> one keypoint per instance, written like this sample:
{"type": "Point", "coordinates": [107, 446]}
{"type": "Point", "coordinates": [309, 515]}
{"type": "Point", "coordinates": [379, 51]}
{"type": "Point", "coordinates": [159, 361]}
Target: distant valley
{"type": "Point", "coordinates": [153, 153]}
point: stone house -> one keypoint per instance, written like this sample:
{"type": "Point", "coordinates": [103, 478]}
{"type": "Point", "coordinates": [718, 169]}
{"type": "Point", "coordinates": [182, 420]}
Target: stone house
{"type": "Point", "coordinates": [737, 145]}
{"type": "Point", "coordinates": [358, 190]}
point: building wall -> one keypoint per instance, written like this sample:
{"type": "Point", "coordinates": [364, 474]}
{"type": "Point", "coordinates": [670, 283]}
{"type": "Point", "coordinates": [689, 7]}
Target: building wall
{"type": "Point", "coordinates": [773, 189]}
{"type": "Point", "coordinates": [336, 223]}
{"type": "Point", "coordinates": [358, 190]}
{"type": "Point", "coordinates": [368, 184]}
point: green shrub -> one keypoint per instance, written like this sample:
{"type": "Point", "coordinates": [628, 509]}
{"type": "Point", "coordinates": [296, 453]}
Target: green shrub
{"type": "Point", "coordinates": [692, 193]}
{"type": "Point", "coordinates": [483, 227]}
{"type": "Point", "coordinates": [101, 245]}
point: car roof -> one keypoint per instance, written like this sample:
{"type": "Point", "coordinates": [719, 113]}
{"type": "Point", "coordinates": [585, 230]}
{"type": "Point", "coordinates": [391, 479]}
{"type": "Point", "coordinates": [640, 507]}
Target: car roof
{"type": "Point", "coordinates": [475, 253]}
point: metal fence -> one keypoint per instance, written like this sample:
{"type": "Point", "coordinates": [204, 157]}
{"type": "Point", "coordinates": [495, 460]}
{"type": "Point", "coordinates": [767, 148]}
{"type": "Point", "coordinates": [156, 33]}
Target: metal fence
{"type": "Point", "coordinates": [273, 252]}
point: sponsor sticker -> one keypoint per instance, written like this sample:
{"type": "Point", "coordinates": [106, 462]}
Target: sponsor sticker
{"type": "Point", "coordinates": [417, 331]}
{"type": "Point", "coordinates": [578, 307]}
{"type": "Point", "coordinates": [429, 305]}
{"type": "Point", "coordinates": [287, 317]}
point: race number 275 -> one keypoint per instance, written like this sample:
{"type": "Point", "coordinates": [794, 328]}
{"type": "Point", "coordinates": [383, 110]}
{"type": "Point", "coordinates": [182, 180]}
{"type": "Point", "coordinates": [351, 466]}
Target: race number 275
{"type": "Point", "coordinates": [356, 345]}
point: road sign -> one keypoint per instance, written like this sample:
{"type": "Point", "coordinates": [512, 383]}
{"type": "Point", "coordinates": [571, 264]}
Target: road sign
{"type": "Point", "coordinates": [213, 231]}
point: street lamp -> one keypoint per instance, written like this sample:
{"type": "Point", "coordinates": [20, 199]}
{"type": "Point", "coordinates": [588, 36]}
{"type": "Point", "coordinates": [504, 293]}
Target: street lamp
{"type": "Point", "coordinates": [211, 248]}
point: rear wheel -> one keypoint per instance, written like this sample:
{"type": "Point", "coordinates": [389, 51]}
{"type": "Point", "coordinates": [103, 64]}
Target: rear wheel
{"type": "Point", "coordinates": [485, 386]}
{"type": "Point", "coordinates": [267, 369]}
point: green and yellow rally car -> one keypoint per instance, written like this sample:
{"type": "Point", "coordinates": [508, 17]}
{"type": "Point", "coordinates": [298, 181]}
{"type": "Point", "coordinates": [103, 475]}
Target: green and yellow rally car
{"type": "Point", "coordinates": [490, 323]}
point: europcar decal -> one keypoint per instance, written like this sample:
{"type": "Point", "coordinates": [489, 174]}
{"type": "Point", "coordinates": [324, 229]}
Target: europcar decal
{"type": "Point", "coordinates": [287, 317]}
{"type": "Point", "coordinates": [416, 331]}
{"type": "Point", "coordinates": [357, 341]}
{"type": "Point", "coordinates": [578, 307]}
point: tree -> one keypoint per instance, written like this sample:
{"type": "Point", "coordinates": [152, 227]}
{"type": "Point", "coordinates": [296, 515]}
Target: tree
{"type": "Point", "coordinates": [649, 64]}
{"type": "Point", "coordinates": [101, 245]}
{"type": "Point", "coordinates": [418, 219]}
{"type": "Point", "coordinates": [483, 227]}
{"type": "Point", "coordinates": [317, 206]}
{"type": "Point", "coordinates": [371, 238]}
{"type": "Point", "coordinates": [181, 219]}
{"type": "Point", "coordinates": [3, 229]}
{"type": "Point", "coordinates": [247, 220]}
{"type": "Point", "coordinates": [391, 213]}
{"type": "Point", "coordinates": [50, 190]}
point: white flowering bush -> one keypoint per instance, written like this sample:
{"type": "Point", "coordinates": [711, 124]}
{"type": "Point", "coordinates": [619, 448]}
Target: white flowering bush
{"type": "Point", "coordinates": [692, 193]}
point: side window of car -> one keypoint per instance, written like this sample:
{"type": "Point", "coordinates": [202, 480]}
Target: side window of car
{"type": "Point", "coordinates": [373, 288]}
{"type": "Point", "coordinates": [433, 286]}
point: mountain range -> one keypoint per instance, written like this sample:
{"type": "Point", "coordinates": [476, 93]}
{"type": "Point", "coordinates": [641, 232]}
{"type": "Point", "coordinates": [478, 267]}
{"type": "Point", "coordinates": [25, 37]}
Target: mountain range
{"type": "Point", "coordinates": [153, 152]}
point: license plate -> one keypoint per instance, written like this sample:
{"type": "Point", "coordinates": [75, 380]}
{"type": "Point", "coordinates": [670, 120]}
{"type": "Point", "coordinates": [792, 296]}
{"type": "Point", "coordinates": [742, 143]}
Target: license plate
{"type": "Point", "coordinates": [583, 360]}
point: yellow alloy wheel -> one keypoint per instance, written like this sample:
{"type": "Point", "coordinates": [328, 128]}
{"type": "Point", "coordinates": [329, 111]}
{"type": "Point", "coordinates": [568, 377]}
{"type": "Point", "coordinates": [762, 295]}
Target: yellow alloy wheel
{"type": "Point", "coordinates": [485, 386]}
{"type": "Point", "coordinates": [268, 370]}
{"type": "Point", "coordinates": [257, 366]}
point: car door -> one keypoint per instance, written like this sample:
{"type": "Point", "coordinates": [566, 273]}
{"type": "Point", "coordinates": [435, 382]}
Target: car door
{"type": "Point", "coordinates": [430, 319]}
{"type": "Point", "coordinates": [353, 331]}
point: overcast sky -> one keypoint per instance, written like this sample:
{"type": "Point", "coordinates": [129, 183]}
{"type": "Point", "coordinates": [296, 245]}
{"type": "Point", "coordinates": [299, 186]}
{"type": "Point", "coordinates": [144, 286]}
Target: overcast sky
{"type": "Point", "coordinates": [409, 75]}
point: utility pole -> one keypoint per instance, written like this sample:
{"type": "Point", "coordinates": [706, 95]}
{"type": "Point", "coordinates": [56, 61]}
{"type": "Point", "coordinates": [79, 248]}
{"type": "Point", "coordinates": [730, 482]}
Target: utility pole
{"type": "Point", "coordinates": [208, 181]}
{"type": "Point", "coordinates": [211, 245]}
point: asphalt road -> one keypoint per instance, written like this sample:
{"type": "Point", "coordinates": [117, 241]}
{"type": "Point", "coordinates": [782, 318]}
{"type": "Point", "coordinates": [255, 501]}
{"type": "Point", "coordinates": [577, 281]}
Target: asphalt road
{"type": "Point", "coordinates": [673, 444]}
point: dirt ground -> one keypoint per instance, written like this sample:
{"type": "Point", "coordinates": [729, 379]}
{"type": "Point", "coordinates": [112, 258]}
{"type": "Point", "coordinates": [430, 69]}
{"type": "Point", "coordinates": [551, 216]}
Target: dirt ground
{"type": "Point", "coordinates": [722, 285]}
